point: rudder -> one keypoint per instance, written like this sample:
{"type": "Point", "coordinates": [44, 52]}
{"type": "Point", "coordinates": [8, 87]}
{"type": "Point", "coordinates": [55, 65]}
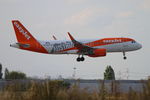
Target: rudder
{"type": "Point", "coordinates": [22, 34]}
{"type": "Point", "coordinates": [25, 38]}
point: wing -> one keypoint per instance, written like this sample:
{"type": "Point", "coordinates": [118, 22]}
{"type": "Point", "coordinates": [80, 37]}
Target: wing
{"type": "Point", "coordinates": [83, 49]}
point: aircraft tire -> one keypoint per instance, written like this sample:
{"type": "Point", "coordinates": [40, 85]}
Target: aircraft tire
{"type": "Point", "coordinates": [82, 59]}
{"type": "Point", "coordinates": [78, 59]}
{"type": "Point", "coordinates": [124, 58]}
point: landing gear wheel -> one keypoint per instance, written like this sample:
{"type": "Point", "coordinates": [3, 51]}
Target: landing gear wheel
{"type": "Point", "coordinates": [78, 59]}
{"type": "Point", "coordinates": [124, 58]}
{"type": "Point", "coordinates": [82, 59]}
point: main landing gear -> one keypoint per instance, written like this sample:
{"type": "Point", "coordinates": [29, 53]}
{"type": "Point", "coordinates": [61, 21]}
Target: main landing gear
{"type": "Point", "coordinates": [124, 56]}
{"type": "Point", "coordinates": [80, 58]}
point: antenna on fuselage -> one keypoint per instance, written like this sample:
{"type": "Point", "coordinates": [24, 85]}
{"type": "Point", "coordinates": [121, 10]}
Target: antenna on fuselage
{"type": "Point", "coordinates": [54, 37]}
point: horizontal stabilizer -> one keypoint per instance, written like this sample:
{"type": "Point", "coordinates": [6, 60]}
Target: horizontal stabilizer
{"type": "Point", "coordinates": [18, 45]}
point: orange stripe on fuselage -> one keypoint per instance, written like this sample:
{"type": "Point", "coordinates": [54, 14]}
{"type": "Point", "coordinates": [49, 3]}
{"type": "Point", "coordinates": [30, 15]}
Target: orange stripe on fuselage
{"type": "Point", "coordinates": [102, 42]}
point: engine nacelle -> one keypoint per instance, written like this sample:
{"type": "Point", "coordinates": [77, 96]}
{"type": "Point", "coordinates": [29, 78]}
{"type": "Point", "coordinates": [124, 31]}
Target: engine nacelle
{"type": "Point", "coordinates": [98, 53]}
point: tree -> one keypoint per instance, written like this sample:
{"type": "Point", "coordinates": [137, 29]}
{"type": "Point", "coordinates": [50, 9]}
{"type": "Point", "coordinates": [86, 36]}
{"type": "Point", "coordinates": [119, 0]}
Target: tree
{"type": "Point", "coordinates": [17, 75]}
{"type": "Point", "coordinates": [6, 73]}
{"type": "Point", "coordinates": [14, 75]}
{"type": "Point", "coordinates": [1, 74]}
{"type": "Point", "coordinates": [109, 73]}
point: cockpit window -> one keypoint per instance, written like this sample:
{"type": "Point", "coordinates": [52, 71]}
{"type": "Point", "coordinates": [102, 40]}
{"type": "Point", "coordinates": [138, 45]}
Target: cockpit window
{"type": "Point", "coordinates": [133, 42]}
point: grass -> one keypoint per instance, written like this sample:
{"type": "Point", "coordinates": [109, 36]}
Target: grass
{"type": "Point", "coordinates": [56, 90]}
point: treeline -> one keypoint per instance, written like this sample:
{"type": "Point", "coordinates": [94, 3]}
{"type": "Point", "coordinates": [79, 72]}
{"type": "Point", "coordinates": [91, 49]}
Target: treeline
{"type": "Point", "coordinates": [11, 74]}
{"type": "Point", "coordinates": [14, 74]}
{"type": "Point", "coordinates": [109, 74]}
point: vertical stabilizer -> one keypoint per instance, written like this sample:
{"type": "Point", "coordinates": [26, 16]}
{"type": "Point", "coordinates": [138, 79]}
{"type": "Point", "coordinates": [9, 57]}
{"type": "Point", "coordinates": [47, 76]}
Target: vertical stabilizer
{"type": "Point", "coordinates": [25, 39]}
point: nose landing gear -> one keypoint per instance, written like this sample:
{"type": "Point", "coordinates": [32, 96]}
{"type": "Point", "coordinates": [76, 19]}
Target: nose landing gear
{"type": "Point", "coordinates": [124, 56]}
{"type": "Point", "coordinates": [80, 58]}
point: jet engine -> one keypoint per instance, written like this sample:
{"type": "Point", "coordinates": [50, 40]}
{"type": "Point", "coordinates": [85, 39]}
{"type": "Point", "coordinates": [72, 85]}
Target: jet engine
{"type": "Point", "coordinates": [98, 53]}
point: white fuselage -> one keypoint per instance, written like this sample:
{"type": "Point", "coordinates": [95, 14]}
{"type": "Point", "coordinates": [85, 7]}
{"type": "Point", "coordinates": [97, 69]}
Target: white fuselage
{"type": "Point", "coordinates": [60, 46]}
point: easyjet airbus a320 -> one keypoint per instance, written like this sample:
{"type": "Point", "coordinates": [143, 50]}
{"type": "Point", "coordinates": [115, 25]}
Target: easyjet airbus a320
{"type": "Point", "coordinates": [91, 48]}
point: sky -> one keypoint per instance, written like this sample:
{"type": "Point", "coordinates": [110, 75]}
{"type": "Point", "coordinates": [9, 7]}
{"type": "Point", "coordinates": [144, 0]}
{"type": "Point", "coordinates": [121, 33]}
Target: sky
{"type": "Point", "coordinates": [84, 19]}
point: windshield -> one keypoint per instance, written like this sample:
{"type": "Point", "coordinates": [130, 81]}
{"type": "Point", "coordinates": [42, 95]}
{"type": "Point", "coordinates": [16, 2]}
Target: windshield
{"type": "Point", "coordinates": [133, 41]}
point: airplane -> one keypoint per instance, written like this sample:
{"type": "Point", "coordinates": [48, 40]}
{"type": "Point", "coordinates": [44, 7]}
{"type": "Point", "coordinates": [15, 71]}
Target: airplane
{"type": "Point", "coordinates": [88, 47]}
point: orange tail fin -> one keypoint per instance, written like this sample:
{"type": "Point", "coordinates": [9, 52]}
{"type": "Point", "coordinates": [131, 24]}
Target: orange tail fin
{"type": "Point", "coordinates": [25, 38]}
{"type": "Point", "coordinates": [22, 34]}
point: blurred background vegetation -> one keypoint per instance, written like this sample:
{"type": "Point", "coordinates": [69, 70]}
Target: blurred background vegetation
{"type": "Point", "coordinates": [23, 88]}
{"type": "Point", "coordinates": [59, 90]}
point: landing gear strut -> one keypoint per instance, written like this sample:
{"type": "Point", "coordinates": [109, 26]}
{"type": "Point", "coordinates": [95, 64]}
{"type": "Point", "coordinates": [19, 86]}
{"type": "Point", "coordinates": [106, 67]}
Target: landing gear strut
{"type": "Point", "coordinates": [80, 58]}
{"type": "Point", "coordinates": [124, 56]}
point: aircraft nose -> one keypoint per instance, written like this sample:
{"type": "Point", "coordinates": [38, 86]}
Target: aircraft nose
{"type": "Point", "coordinates": [139, 46]}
